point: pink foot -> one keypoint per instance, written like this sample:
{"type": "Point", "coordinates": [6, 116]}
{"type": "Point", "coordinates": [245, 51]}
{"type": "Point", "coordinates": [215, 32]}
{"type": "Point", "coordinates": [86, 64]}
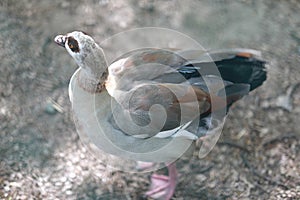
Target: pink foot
{"type": "Point", "coordinates": [144, 165]}
{"type": "Point", "coordinates": [163, 187]}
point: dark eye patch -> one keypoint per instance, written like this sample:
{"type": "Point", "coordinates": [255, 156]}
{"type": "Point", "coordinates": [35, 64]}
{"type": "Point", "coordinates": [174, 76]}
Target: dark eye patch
{"type": "Point", "coordinates": [73, 45]}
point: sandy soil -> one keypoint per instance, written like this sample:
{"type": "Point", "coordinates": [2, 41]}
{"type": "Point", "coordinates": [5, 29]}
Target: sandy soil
{"type": "Point", "coordinates": [258, 155]}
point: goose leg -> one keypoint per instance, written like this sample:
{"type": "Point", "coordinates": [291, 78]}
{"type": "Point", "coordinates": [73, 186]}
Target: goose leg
{"type": "Point", "coordinates": [163, 187]}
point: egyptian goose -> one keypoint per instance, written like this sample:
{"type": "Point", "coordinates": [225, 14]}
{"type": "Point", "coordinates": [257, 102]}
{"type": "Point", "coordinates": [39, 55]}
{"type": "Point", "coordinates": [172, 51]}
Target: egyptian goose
{"type": "Point", "coordinates": [154, 105]}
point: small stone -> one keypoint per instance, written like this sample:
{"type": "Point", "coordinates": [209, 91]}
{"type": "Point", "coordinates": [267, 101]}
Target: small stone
{"type": "Point", "coordinates": [75, 159]}
{"type": "Point", "coordinates": [15, 184]}
{"type": "Point", "coordinates": [68, 185]}
{"type": "Point", "coordinates": [212, 184]}
{"type": "Point", "coordinates": [3, 111]}
{"type": "Point", "coordinates": [82, 156]}
{"type": "Point", "coordinates": [23, 197]}
{"type": "Point", "coordinates": [69, 192]}
{"type": "Point", "coordinates": [72, 175]}
{"type": "Point", "coordinates": [58, 183]}
{"type": "Point", "coordinates": [62, 155]}
{"type": "Point", "coordinates": [49, 109]}
{"type": "Point", "coordinates": [201, 178]}
{"type": "Point", "coordinates": [19, 175]}
{"type": "Point", "coordinates": [8, 90]}
{"type": "Point", "coordinates": [283, 195]}
{"type": "Point", "coordinates": [47, 185]}
{"type": "Point", "coordinates": [6, 188]}
{"type": "Point", "coordinates": [99, 192]}
{"type": "Point", "coordinates": [63, 179]}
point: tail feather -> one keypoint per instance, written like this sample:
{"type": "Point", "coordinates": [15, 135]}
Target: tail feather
{"type": "Point", "coordinates": [243, 70]}
{"type": "Point", "coordinates": [236, 66]}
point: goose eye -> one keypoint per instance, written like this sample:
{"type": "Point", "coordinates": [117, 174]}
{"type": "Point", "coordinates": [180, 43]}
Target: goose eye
{"type": "Point", "coordinates": [73, 45]}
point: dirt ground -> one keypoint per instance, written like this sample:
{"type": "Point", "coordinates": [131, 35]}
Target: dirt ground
{"type": "Point", "coordinates": [41, 155]}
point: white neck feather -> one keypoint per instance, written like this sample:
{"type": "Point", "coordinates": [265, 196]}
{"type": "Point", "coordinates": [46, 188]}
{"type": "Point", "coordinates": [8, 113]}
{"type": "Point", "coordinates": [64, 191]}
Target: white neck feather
{"type": "Point", "coordinates": [93, 71]}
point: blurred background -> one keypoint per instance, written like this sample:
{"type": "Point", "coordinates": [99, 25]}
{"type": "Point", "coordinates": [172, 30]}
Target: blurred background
{"type": "Point", "coordinates": [41, 156]}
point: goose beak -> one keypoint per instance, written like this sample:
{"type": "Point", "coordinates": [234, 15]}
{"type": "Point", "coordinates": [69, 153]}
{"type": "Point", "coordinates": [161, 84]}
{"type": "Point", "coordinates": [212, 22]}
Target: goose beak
{"type": "Point", "coordinates": [60, 40]}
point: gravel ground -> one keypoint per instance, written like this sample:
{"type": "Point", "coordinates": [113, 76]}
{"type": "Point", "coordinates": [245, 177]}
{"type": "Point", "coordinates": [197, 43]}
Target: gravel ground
{"type": "Point", "coordinates": [258, 155]}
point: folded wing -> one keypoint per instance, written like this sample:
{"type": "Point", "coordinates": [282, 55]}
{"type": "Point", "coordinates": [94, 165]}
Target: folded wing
{"type": "Point", "coordinates": [160, 90]}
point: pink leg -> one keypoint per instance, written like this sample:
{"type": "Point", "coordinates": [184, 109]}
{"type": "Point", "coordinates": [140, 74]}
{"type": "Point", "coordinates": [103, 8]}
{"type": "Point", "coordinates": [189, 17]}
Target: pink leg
{"type": "Point", "coordinates": [163, 186]}
{"type": "Point", "coordinates": [144, 165]}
